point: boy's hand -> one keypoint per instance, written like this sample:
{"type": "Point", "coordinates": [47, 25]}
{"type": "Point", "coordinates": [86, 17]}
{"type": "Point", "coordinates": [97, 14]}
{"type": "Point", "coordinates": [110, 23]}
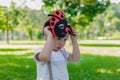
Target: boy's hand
{"type": "Point", "coordinates": [47, 32]}
{"type": "Point", "coordinates": [74, 35]}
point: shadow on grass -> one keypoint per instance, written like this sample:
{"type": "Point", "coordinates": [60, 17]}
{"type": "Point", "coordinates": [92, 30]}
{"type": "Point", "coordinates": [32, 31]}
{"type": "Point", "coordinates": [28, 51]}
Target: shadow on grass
{"type": "Point", "coordinates": [95, 67]}
{"type": "Point", "coordinates": [91, 67]}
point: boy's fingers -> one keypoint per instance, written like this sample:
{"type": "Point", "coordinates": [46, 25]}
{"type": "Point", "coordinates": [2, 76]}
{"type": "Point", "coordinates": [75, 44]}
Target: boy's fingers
{"type": "Point", "coordinates": [74, 32]}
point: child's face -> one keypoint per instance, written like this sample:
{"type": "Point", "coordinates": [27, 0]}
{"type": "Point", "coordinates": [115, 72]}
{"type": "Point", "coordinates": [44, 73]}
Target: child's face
{"type": "Point", "coordinates": [59, 42]}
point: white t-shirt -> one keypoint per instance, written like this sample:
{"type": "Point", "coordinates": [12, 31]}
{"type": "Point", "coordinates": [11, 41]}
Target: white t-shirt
{"type": "Point", "coordinates": [58, 64]}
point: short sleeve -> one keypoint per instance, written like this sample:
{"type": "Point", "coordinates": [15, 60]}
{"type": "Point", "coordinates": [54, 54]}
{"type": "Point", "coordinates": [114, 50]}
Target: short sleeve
{"type": "Point", "coordinates": [37, 52]}
{"type": "Point", "coordinates": [65, 53]}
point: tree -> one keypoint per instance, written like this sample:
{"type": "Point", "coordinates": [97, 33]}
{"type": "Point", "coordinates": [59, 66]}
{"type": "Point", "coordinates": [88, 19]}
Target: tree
{"type": "Point", "coordinates": [105, 25]}
{"type": "Point", "coordinates": [4, 26]}
{"type": "Point", "coordinates": [2, 21]}
{"type": "Point", "coordinates": [31, 22]}
{"type": "Point", "coordinates": [78, 12]}
{"type": "Point", "coordinates": [96, 28]}
{"type": "Point", "coordinates": [14, 14]}
{"type": "Point", "coordinates": [1, 18]}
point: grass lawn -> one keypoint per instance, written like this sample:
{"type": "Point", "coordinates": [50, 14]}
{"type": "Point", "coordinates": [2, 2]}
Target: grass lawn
{"type": "Point", "coordinates": [100, 45]}
{"type": "Point", "coordinates": [11, 49]}
{"type": "Point", "coordinates": [95, 67]}
{"type": "Point", "coordinates": [91, 67]}
{"type": "Point", "coordinates": [17, 67]}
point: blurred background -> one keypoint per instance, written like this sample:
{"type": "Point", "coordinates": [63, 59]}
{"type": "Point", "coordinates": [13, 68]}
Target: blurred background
{"type": "Point", "coordinates": [96, 21]}
{"type": "Point", "coordinates": [24, 19]}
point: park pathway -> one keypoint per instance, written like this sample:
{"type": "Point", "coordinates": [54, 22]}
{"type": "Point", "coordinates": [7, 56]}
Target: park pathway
{"type": "Point", "coordinates": [112, 51]}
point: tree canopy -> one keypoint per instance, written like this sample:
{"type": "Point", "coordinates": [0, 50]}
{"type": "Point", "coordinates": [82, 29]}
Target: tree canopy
{"type": "Point", "coordinates": [78, 12]}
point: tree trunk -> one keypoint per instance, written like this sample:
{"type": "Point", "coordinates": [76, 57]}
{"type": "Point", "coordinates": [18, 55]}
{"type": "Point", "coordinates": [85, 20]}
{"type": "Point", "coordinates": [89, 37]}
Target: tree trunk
{"type": "Point", "coordinates": [7, 34]}
{"type": "Point", "coordinates": [7, 29]}
{"type": "Point", "coordinates": [12, 34]}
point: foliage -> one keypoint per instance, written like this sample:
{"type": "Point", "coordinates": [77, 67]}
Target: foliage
{"type": "Point", "coordinates": [2, 18]}
{"type": "Point", "coordinates": [93, 19]}
{"type": "Point", "coordinates": [105, 25]}
{"type": "Point", "coordinates": [1, 21]}
{"type": "Point", "coordinates": [23, 23]}
{"type": "Point", "coordinates": [78, 12]}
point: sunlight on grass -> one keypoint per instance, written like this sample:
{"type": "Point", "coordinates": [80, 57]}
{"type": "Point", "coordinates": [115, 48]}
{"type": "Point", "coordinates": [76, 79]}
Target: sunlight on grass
{"type": "Point", "coordinates": [95, 67]}
{"type": "Point", "coordinates": [104, 71]}
{"type": "Point", "coordinates": [10, 64]}
{"type": "Point", "coordinates": [100, 45]}
{"type": "Point", "coordinates": [118, 70]}
{"type": "Point", "coordinates": [31, 56]}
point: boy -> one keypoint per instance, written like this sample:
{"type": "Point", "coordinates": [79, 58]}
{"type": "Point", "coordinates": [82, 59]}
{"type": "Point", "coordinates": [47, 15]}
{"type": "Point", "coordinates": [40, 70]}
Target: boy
{"type": "Point", "coordinates": [54, 52]}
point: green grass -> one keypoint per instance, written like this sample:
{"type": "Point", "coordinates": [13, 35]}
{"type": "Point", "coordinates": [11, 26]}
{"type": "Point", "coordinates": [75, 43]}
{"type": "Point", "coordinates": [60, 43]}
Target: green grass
{"type": "Point", "coordinates": [95, 67]}
{"type": "Point", "coordinates": [91, 67]}
{"type": "Point", "coordinates": [11, 49]}
{"type": "Point", "coordinates": [101, 45]}
{"type": "Point", "coordinates": [17, 67]}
